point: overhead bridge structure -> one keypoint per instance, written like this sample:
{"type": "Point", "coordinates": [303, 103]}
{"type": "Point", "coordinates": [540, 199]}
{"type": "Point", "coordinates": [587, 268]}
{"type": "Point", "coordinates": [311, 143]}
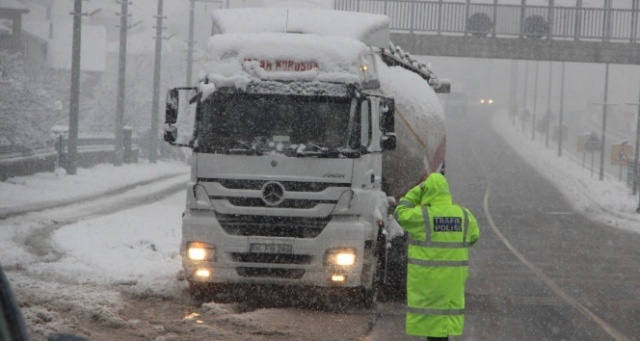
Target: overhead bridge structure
{"type": "Point", "coordinates": [519, 32]}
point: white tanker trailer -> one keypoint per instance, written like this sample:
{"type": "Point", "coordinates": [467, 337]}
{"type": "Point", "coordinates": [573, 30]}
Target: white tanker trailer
{"type": "Point", "coordinates": [303, 124]}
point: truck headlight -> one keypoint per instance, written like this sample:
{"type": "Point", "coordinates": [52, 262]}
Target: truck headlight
{"type": "Point", "coordinates": [341, 256]}
{"type": "Point", "coordinates": [201, 251]}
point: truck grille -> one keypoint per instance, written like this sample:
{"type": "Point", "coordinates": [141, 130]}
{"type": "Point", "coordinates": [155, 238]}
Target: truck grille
{"type": "Point", "coordinates": [270, 258]}
{"type": "Point", "coordinates": [290, 186]}
{"type": "Point", "coordinates": [288, 203]}
{"type": "Point", "coordinates": [278, 273]}
{"type": "Point", "coordinates": [268, 226]}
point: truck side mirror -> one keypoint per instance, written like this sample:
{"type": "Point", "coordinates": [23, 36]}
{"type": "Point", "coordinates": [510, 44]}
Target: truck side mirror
{"type": "Point", "coordinates": [171, 110]}
{"type": "Point", "coordinates": [170, 133]}
{"type": "Point", "coordinates": [387, 124]}
{"type": "Point", "coordinates": [387, 112]}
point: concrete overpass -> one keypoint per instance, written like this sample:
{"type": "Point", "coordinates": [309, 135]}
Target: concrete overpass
{"type": "Point", "coordinates": [518, 32]}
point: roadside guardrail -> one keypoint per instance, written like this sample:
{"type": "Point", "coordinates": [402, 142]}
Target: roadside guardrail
{"type": "Point", "coordinates": [16, 160]}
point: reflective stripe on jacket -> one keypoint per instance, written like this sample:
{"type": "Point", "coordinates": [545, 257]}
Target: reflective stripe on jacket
{"type": "Point", "coordinates": [439, 236]}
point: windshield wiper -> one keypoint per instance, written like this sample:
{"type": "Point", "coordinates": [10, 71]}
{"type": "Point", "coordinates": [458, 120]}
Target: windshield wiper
{"type": "Point", "coordinates": [320, 152]}
{"type": "Point", "coordinates": [244, 148]}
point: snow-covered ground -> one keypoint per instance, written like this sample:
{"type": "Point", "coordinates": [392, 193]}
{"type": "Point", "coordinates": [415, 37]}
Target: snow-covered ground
{"type": "Point", "coordinates": [75, 257]}
{"type": "Point", "coordinates": [608, 201]}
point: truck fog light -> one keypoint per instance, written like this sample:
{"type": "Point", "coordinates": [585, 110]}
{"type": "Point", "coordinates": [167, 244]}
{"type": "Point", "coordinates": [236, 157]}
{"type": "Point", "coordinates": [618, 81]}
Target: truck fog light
{"type": "Point", "coordinates": [203, 273]}
{"type": "Point", "coordinates": [338, 278]}
{"type": "Point", "coordinates": [341, 256]}
{"type": "Point", "coordinates": [344, 202]}
{"type": "Point", "coordinates": [202, 197]}
{"type": "Point", "coordinates": [201, 251]}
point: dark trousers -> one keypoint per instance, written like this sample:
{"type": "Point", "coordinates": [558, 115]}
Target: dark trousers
{"type": "Point", "coordinates": [430, 338]}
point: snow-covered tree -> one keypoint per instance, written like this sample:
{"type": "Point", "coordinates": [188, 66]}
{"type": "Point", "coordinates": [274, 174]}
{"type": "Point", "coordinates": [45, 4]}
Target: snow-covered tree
{"type": "Point", "coordinates": [27, 103]}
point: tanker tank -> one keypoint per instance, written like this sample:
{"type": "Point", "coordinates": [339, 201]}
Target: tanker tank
{"type": "Point", "coordinates": [419, 128]}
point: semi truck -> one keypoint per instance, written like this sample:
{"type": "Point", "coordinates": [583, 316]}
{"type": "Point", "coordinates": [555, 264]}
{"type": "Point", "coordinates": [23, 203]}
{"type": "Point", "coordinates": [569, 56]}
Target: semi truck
{"type": "Point", "coordinates": [304, 125]}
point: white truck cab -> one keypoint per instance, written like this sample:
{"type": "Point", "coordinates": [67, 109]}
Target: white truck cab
{"type": "Point", "coordinates": [289, 129]}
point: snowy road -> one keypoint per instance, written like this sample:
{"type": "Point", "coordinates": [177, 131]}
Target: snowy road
{"type": "Point", "coordinates": [106, 268]}
{"type": "Point", "coordinates": [542, 269]}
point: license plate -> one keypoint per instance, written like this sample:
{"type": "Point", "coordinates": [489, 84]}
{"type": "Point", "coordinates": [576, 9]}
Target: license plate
{"type": "Point", "coordinates": [270, 248]}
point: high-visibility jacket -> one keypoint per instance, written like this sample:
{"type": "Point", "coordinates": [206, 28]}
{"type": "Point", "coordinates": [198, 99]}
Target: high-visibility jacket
{"type": "Point", "coordinates": [440, 234]}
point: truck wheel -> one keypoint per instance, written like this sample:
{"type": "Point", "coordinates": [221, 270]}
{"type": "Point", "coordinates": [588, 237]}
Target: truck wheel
{"type": "Point", "coordinates": [369, 297]}
{"type": "Point", "coordinates": [199, 292]}
{"type": "Point", "coordinates": [206, 292]}
{"type": "Point", "coordinates": [396, 287]}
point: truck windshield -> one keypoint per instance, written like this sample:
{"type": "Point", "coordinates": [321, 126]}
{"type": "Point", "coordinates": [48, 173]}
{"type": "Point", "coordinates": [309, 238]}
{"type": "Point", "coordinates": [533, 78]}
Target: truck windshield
{"type": "Point", "coordinates": [298, 126]}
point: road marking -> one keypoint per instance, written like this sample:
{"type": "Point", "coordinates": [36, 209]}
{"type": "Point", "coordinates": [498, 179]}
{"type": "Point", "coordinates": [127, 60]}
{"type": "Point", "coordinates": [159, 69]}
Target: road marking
{"type": "Point", "coordinates": [546, 279]}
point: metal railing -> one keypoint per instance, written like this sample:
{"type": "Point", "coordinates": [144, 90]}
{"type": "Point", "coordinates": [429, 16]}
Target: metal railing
{"type": "Point", "coordinates": [18, 160]}
{"type": "Point", "coordinates": [456, 18]}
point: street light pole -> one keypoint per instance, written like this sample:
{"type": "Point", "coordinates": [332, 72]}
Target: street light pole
{"type": "Point", "coordinates": [636, 167]}
{"type": "Point", "coordinates": [561, 111]}
{"type": "Point", "coordinates": [604, 120]}
{"type": "Point", "coordinates": [548, 116]}
{"type": "Point", "coordinates": [535, 101]}
{"type": "Point", "coordinates": [524, 96]}
{"type": "Point", "coordinates": [513, 94]}
{"type": "Point", "coordinates": [635, 164]}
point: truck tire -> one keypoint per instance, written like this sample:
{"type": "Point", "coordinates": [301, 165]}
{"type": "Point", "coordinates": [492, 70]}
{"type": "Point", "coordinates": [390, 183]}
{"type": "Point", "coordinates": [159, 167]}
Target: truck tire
{"type": "Point", "coordinates": [199, 292]}
{"type": "Point", "coordinates": [395, 288]}
{"type": "Point", "coordinates": [205, 292]}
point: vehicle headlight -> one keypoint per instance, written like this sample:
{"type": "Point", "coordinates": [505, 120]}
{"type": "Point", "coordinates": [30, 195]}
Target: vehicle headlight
{"type": "Point", "coordinates": [201, 251]}
{"type": "Point", "coordinates": [341, 256]}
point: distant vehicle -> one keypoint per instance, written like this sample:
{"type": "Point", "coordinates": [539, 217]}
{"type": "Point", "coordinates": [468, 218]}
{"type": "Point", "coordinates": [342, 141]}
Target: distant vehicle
{"type": "Point", "coordinates": [482, 105]}
{"type": "Point", "coordinates": [486, 101]}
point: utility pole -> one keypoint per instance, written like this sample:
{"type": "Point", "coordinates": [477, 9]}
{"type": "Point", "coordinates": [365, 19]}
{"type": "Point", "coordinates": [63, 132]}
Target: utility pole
{"type": "Point", "coordinates": [74, 105]}
{"type": "Point", "coordinates": [535, 102]}
{"type": "Point", "coordinates": [122, 64]}
{"type": "Point", "coordinates": [191, 42]}
{"type": "Point", "coordinates": [153, 156]}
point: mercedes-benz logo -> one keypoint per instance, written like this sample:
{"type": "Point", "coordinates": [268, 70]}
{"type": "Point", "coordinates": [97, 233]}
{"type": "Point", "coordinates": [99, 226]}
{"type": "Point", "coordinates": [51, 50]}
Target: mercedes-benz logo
{"type": "Point", "coordinates": [272, 193]}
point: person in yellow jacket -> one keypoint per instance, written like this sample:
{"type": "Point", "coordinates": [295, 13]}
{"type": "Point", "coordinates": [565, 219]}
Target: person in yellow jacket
{"type": "Point", "coordinates": [440, 234]}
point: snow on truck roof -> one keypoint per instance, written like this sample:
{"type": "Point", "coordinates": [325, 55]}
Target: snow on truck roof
{"type": "Point", "coordinates": [310, 54]}
{"type": "Point", "coordinates": [370, 29]}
